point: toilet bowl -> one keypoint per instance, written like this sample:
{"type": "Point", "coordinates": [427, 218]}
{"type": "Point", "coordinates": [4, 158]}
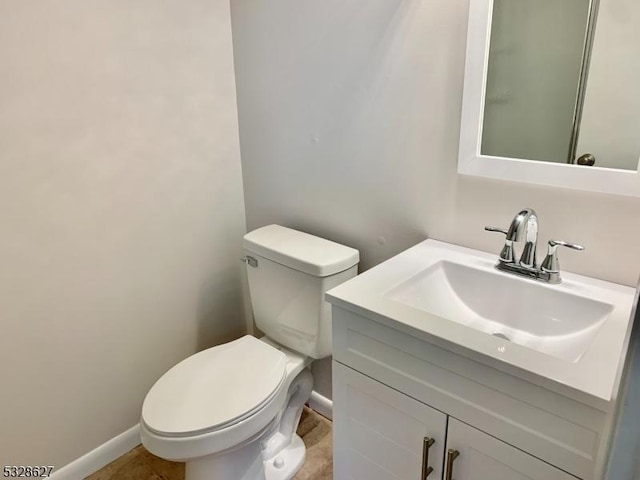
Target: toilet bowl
{"type": "Point", "coordinates": [231, 412]}
{"type": "Point", "coordinates": [254, 420]}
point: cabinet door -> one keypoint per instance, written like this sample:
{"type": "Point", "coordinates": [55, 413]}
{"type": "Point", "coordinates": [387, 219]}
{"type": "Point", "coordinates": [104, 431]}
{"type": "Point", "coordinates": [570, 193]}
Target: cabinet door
{"type": "Point", "coordinates": [481, 457]}
{"type": "Point", "coordinates": [379, 433]}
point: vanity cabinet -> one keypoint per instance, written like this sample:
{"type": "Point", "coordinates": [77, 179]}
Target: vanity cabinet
{"type": "Point", "coordinates": [482, 457]}
{"type": "Point", "coordinates": [382, 434]}
{"type": "Point", "coordinates": [393, 389]}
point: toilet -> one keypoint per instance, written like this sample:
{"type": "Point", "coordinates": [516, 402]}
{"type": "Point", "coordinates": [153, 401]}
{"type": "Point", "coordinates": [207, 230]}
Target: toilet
{"type": "Point", "coordinates": [231, 412]}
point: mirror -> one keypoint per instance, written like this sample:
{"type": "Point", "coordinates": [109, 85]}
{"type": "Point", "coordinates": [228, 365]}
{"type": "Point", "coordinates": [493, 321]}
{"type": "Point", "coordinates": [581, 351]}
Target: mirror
{"type": "Point", "coordinates": [549, 93]}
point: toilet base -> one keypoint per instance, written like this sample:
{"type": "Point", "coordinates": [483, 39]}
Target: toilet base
{"type": "Point", "coordinates": [246, 463]}
{"type": "Point", "coordinates": [285, 464]}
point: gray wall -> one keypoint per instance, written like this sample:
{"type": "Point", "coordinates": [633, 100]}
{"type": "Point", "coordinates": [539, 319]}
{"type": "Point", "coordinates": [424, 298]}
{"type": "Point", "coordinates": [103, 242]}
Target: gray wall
{"type": "Point", "coordinates": [624, 462]}
{"type": "Point", "coordinates": [349, 121]}
{"type": "Point", "coordinates": [122, 211]}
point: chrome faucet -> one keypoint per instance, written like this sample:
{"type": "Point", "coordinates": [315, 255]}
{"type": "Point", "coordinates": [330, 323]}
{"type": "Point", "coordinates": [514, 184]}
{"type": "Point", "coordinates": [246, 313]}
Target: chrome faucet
{"type": "Point", "coordinates": [524, 226]}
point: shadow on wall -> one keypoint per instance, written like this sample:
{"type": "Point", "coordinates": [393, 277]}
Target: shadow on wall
{"type": "Point", "coordinates": [220, 310]}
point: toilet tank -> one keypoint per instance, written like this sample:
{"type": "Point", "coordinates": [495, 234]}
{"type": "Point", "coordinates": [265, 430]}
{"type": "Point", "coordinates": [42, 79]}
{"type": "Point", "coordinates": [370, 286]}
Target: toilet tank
{"type": "Point", "coordinates": [289, 272]}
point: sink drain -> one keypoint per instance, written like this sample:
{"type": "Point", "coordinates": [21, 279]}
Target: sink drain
{"type": "Point", "coordinates": [502, 336]}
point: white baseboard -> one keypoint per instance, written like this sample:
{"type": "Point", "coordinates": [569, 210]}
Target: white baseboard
{"type": "Point", "coordinates": [100, 456]}
{"type": "Point", "coordinates": [321, 404]}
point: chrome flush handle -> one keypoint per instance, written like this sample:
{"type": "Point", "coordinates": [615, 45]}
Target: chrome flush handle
{"type": "Point", "coordinates": [249, 260]}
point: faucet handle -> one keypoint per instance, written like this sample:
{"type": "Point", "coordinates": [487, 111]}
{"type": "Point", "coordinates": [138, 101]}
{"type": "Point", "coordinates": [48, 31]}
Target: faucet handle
{"type": "Point", "coordinates": [561, 243]}
{"type": "Point", "coordinates": [507, 254]}
{"type": "Point", "coordinates": [496, 229]}
{"type": "Point", "coordinates": [550, 264]}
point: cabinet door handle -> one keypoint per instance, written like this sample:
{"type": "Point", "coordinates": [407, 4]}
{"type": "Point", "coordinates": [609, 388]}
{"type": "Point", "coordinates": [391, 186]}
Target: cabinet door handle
{"type": "Point", "coordinates": [451, 456]}
{"type": "Point", "coordinates": [426, 469]}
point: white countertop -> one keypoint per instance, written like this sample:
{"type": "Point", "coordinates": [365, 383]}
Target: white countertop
{"type": "Point", "coordinates": [594, 378]}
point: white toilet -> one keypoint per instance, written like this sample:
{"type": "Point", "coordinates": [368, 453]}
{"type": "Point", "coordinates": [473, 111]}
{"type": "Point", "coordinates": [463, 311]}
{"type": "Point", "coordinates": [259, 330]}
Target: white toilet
{"type": "Point", "coordinates": [231, 412]}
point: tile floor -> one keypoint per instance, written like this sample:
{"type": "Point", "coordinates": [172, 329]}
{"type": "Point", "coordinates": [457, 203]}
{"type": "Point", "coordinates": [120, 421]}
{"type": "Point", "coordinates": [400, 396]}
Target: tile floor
{"type": "Point", "coordinates": [315, 430]}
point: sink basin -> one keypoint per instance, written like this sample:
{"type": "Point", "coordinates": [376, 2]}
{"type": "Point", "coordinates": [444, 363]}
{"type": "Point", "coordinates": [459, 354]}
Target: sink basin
{"type": "Point", "coordinates": [522, 311]}
{"type": "Point", "coordinates": [574, 334]}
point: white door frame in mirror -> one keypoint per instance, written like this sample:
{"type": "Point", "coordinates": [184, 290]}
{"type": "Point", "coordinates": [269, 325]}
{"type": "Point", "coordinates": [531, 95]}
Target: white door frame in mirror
{"type": "Point", "coordinates": [472, 162]}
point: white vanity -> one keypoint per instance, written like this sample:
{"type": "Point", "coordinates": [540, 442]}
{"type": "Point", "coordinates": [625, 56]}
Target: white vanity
{"type": "Point", "coordinates": [445, 368]}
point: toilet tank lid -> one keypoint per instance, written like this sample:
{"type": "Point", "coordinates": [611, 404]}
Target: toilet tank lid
{"type": "Point", "coordinates": [301, 251]}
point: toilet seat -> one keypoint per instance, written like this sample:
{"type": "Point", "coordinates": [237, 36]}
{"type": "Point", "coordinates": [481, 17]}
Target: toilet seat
{"type": "Point", "coordinates": [215, 388]}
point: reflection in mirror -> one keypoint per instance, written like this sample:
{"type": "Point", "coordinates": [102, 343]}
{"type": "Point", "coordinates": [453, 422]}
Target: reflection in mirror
{"type": "Point", "coordinates": [535, 59]}
{"type": "Point", "coordinates": [610, 126]}
{"type": "Point", "coordinates": [551, 94]}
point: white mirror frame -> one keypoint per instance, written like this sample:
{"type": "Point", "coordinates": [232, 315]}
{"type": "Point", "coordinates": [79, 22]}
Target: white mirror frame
{"type": "Point", "coordinates": [472, 162]}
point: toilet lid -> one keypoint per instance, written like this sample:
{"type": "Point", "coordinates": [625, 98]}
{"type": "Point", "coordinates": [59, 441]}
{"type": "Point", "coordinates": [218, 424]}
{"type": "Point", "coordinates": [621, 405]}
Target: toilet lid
{"type": "Point", "coordinates": [214, 387]}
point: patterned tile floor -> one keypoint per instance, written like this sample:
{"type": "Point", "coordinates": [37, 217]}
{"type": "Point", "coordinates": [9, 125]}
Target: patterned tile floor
{"type": "Point", "coordinates": [315, 430]}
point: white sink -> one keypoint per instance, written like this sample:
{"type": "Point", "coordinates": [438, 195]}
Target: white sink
{"type": "Point", "coordinates": [535, 315]}
{"type": "Point", "coordinates": [574, 334]}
